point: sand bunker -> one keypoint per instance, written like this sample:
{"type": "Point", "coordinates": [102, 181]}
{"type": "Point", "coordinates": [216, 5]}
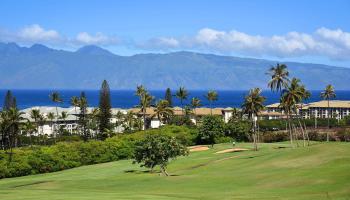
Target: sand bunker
{"type": "Point", "coordinates": [198, 148]}
{"type": "Point", "coordinates": [232, 150]}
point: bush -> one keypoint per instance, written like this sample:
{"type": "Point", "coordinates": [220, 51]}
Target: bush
{"type": "Point", "coordinates": [66, 155]}
{"type": "Point", "coordinates": [239, 130]}
{"type": "Point", "coordinates": [211, 129]}
{"type": "Point", "coordinates": [275, 136]}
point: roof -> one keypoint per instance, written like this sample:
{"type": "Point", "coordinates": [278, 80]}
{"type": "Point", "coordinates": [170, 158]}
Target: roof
{"type": "Point", "coordinates": [275, 105]}
{"type": "Point", "coordinates": [324, 104]}
{"type": "Point", "coordinates": [71, 111]}
{"type": "Point", "coordinates": [178, 111]}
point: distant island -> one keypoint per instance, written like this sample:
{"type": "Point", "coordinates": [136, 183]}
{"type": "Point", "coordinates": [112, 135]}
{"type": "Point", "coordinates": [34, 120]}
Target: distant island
{"type": "Point", "coordinates": [40, 67]}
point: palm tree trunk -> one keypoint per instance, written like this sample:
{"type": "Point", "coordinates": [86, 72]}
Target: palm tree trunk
{"type": "Point", "coordinates": [54, 133]}
{"type": "Point", "coordinates": [328, 121]}
{"type": "Point", "coordinates": [290, 130]}
{"type": "Point", "coordinates": [211, 108]}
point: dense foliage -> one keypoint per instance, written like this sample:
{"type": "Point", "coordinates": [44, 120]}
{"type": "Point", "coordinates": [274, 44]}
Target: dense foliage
{"type": "Point", "coordinates": [212, 128]}
{"type": "Point", "coordinates": [158, 149]}
{"type": "Point", "coordinates": [65, 155]}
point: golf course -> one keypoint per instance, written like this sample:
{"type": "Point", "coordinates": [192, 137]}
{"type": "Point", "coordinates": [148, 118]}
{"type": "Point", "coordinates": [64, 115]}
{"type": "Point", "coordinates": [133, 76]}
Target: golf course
{"type": "Point", "coordinates": [320, 171]}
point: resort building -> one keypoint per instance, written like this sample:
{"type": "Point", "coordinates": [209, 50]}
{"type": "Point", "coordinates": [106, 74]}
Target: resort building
{"type": "Point", "coordinates": [69, 120]}
{"type": "Point", "coordinates": [337, 109]}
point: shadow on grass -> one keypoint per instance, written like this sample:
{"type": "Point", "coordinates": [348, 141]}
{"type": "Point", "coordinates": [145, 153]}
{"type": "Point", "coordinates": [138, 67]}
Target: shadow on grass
{"type": "Point", "coordinates": [133, 171]}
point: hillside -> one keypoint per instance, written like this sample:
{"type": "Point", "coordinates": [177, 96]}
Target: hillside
{"type": "Point", "coordinates": [40, 67]}
{"type": "Point", "coordinates": [318, 172]}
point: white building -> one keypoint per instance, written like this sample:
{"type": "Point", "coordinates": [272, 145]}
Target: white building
{"type": "Point", "coordinates": [337, 109]}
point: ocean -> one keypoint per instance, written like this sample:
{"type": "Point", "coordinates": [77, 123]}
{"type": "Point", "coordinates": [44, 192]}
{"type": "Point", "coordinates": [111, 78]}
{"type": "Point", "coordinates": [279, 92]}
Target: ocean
{"type": "Point", "coordinates": [127, 98]}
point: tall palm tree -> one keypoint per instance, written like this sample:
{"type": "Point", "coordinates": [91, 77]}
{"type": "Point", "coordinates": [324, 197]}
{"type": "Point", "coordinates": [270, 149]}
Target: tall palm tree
{"type": "Point", "coordinates": [163, 111]}
{"type": "Point", "coordinates": [305, 96]}
{"type": "Point", "coordinates": [279, 77]}
{"type": "Point", "coordinates": [74, 101]}
{"type": "Point", "coordinates": [14, 117]}
{"type": "Point", "coordinates": [328, 94]}
{"type": "Point", "coordinates": [140, 89]}
{"type": "Point", "coordinates": [35, 114]}
{"type": "Point", "coordinates": [291, 96]}
{"type": "Point", "coordinates": [253, 104]}
{"type": "Point", "coordinates": [51, 116]}
{"type": "Point", "coordinates": [129, 121]}
{"type": "Point", "coordinates": [56, 98]}
{"type": "Point", "coordinates": [29, 128]}
{"type": "Point", "coordinates": [182, 94]}
{"type": "Point", "coordinates": [211, 96]}
{"type": "Point", "coordinates": [145, 101]}
{"type": "Point", "coordinates": [195, 103]}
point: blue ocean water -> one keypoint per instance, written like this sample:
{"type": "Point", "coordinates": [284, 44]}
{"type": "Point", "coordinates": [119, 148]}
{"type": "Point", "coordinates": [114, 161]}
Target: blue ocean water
{"type": "Point", "coordinates": [127, 98]}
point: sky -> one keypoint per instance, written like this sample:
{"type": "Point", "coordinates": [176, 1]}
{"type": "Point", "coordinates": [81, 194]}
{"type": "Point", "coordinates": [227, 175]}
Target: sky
{"type": "Point", "coordinates": [304, 31]}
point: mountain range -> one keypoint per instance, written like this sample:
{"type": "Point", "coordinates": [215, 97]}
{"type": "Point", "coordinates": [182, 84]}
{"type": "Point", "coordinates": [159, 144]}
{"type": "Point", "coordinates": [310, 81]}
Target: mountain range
{"type": "Point", "coordinates": [40, 67]}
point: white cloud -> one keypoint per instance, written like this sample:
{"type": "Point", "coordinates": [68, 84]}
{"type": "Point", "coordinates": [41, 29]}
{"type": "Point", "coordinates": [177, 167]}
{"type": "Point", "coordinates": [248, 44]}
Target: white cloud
{"type": "Point", "coordinates": [97, 39]}
{"type": "Point", "coordinates": [334, 44]}
{"type": "Point", "coordinates": [36, 33]}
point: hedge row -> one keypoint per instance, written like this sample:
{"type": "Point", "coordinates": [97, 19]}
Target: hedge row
{"type": "Point", "coordinates": [342, 136]}
{"type": "Point", "coordinates": [66, 155]}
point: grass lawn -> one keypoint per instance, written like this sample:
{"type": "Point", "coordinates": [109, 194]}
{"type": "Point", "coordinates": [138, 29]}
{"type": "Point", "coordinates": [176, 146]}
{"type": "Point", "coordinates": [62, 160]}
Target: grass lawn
{"type": "Point", "coordinates": [321, 171]}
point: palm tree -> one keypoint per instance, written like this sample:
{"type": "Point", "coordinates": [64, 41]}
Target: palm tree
{"type": "Point", "coordinates": [163, 111]}
{"type": "Point", "coordinates": [29, 128]}
{"type": "Point", "coordinates": [145, 102]}
{"type": "Point", "coordinates": [195, 103]}
{"type": "Point", "coordinates": [211, 96]}
{"type": "Point", "coordinates": [51, 117]}
{"type": "Point", "coordinates": [75, 103]}
{"type": "Point", "coordinates": [129, 121]}
{"type": "Point", "coordinates": [328, 94]}
{"type": "Point", "coordinates": [55, 97]}
{"type": "Point", "coordinates": [14, 117]}
{"type": "Point", "coordinates": [35, 114]}
{"type": "Point", "coordinates": [252, 106]}
{"type": "Point", "coordinates": [305, 96]}
{"type": "Point", "coordinates": [279, 77]}
{"type": "Point", "coordinates": [291, 96]}
{"type": "Point", "coordinates": [182, 94]}
{"type": "Point", "coordinates": [236, 115]}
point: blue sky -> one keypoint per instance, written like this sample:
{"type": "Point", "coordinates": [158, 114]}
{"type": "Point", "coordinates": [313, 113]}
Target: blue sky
{"type": "Point", "coordinates": [307, 31]}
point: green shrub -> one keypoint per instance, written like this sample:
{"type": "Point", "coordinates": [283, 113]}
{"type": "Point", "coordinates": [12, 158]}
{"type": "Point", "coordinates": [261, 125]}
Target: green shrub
{"type": "Point", "coordinates": [238, 130]}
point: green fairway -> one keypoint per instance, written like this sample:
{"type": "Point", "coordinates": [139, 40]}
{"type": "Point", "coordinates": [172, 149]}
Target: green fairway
{"type": "Point", "coordinates": [321, 171]}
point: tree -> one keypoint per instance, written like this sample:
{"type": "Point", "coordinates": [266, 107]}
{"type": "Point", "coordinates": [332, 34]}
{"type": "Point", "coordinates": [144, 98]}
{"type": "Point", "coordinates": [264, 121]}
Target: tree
{"type": "Point", "coordinates": [182, 94]}
{"type": "Point", "coordinates": [51, 117]}
{"type": "Point", "coordinates": [29, 128]}
{"type": "Point", "coordinates": [14, 118]}
{"type": "Point", "coordinates": [145, 101]}
{"type": "Point", "coordinates": [212, 127]}
{"type": "Point", "coordinates": [105, 110]}
{"type": "Point", "coordinates": [279, 77]}
{"type": "Point", "coordinates": [169, 97]}
{"type": "Point", "coordinates": [10, 101]}
{"type": "Point", "coordinates": [195, 103]}
{"type": "Point", "coordinates": [163, 111]}
{"type": "Point", "coordinates": [158, 149]}
{"type": "Point", "coordinates": [74, 101]}
{"type": "Point", "coordinates": [305, 95]}
{"type": "Point", "coordinates": [253, 104]}
{"type": "Point", "coordinates": [35, 114]}
{"type": "Point", "coordinates": [82, 121]}
{"type": "Point", "coordinates": [211, 96]}
{"type": "Point", "coordinates": [291, 96]}
{"type": "Point", "coordinates": [328, 94]}
{"type": "Point", "coordinates": [55, 97]}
